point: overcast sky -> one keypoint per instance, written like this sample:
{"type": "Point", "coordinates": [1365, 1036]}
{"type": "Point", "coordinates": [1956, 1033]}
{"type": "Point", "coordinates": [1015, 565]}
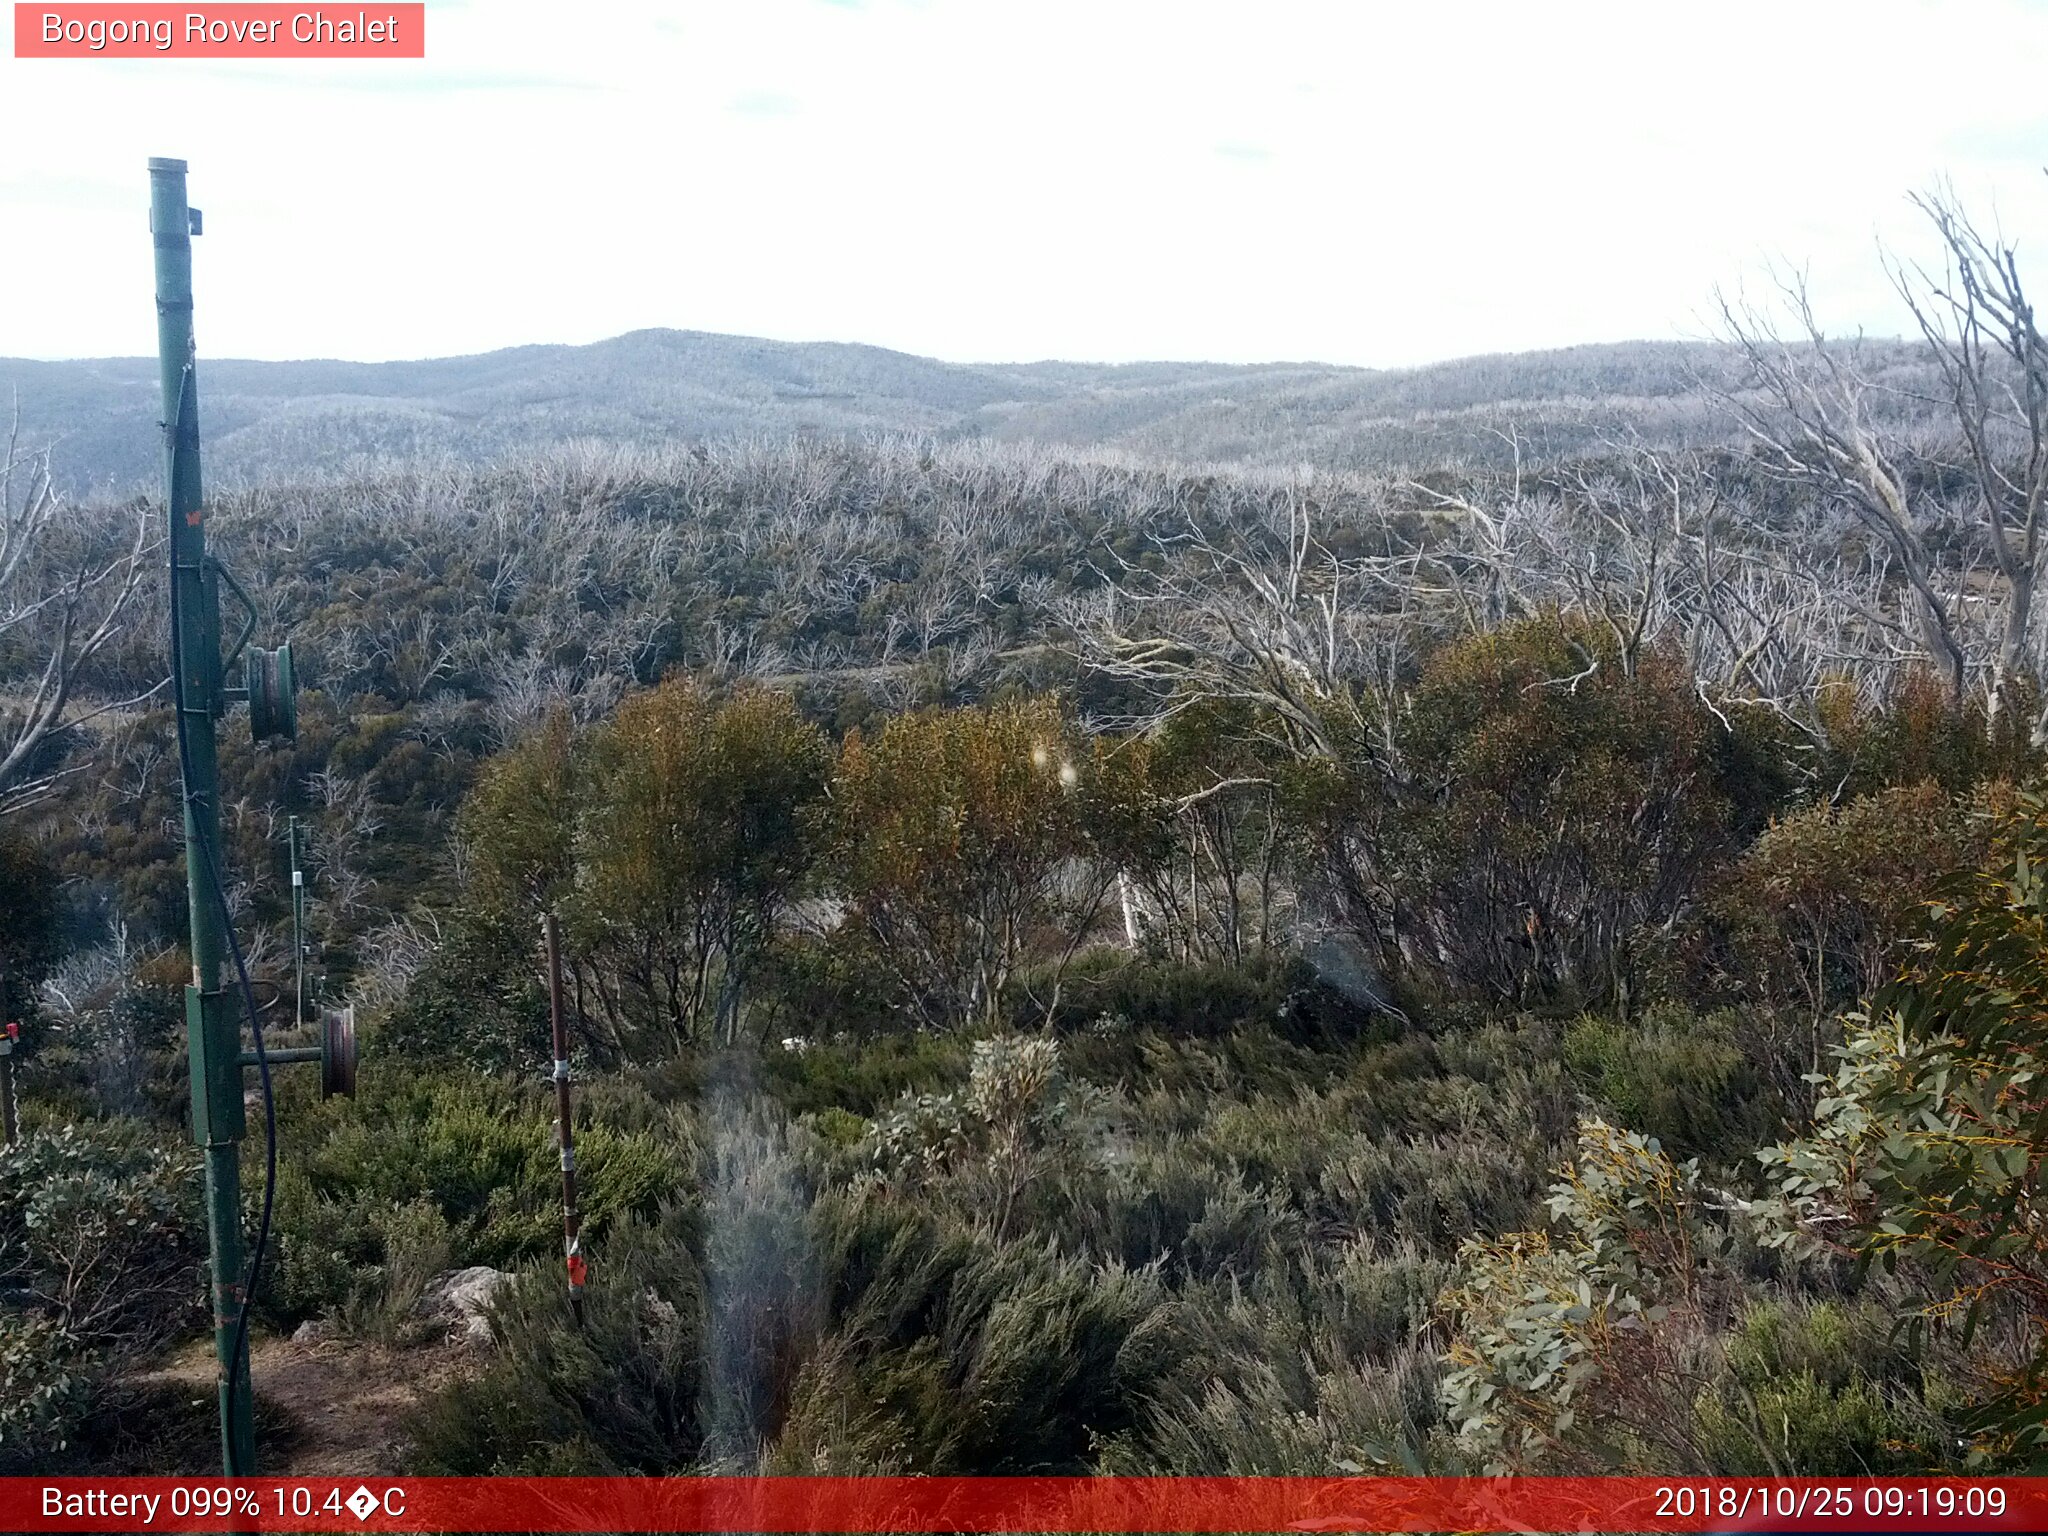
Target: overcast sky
{"type": "Point", "coordinates": [1362, 181]}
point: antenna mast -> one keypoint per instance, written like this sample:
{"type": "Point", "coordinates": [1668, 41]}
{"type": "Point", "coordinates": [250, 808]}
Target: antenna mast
{"type": "Point", "coordinates": [200, 695]}
{"type": "Point", "coordinates": [212, 1031]}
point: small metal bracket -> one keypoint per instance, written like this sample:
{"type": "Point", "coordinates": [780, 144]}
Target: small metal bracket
{"type": "Point", "coordinates": [248, 603]}
{"type": "Point", "coordinates": [194, 224]}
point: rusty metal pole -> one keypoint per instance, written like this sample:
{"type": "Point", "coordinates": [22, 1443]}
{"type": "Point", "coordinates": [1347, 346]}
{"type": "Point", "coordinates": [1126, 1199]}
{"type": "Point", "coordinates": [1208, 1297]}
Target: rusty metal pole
{"type": "Point", "coordinates": [565, 1130]}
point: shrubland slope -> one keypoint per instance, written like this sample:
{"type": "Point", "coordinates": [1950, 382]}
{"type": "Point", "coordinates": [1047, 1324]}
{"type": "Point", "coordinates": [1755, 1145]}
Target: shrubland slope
{"type": "Point", "coordinates": [285, 420]}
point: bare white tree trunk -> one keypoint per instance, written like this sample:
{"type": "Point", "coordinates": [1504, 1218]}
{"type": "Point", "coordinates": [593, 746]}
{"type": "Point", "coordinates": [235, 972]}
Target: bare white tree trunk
{"type": "Point", "coordinates": [64, 597]}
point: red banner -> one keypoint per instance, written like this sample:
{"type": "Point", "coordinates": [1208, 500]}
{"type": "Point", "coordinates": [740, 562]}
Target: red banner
{"type": "Point", "coordinates": [992, 1504]}
{"type": "Point", "coordinates": [383, 31]}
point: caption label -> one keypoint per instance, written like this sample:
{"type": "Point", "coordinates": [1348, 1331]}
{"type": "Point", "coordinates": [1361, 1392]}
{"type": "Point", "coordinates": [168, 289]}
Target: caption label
{"type": "Point", "coordinates": [239, 31]}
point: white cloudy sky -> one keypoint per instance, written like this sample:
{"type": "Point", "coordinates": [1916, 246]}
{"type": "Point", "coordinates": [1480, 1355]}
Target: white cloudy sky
{"type": "Point", "coordinates": [1362, 181]}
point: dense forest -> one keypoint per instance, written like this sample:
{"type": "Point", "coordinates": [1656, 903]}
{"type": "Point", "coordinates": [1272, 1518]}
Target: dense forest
{"type": "Point", "coordinates": [1515, 954]}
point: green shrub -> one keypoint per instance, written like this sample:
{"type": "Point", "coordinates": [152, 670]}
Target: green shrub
{"type": "Point", "coordinates": [99, 1232]}
{"type": "Point", "coordinates": [1248, 1062]}
{"type": "Point", "coordinates": [621, 1395]}
{"type": "Point", "coordinates": [1678, 1076]}
{"type": "Point", "coordinates": [775, 1330]}
{"type": "Point", "coordinates": [415, 1246]}
{"type": "Point", "coordinates": [31, 941]}
{"type": "Point", "coordinates": [988, 1357]}
{"type": "Point", "coordinates": [1578, 1350]}
{"type": "Point", "coordinates": [119, 1053]}
{"type": "Point", "coordinates": [1301, 1369]}
{"type": "Point", "coordinates": [1375, 1298]}
{"type": "Point", "coordinates": [1556, 797]}
{"type": "Point", "coordinates": [1829, 1390]}
{"type": "Point", "coordinates": [1265, 1420]}
{"type": "Point", "coordinates": [478, 1002]}
{"type": "Point", "coordinates": [478, 1153]}
{"type": "Point", "coordinates": [1047, 1355]}
{"type": "Point", "coordinates": [840, 1129]}
{"type": "Point", "coordinates": [1816, 914]}
{"type": "Point", "coordinates": [1005, 1149]}
{"type": "Point", "coordinates": [1931, 1135]}
{"type": "Point", "coordinates": [839, 980]}
{"type": "Point", "coordinates": [1433, 1193]}
{"type": "Point", "coordinates": [1241, 1230]}
{"type": "Point", "coordinates": [99, 1264]}
{"type": "Point", "coordinates": [1855, 1430]}
{"type": "Point", "coordinates": [690, 842]}
{"type": "Point", "coordinates": [861, 1076]}
{"type": "Point", "coordinates": [1152, 1201]}
{"type": "Point", "coordinates": [1922, 732]}
{"type": "Point", "coordinates": [1204, 1000]}
{"type": "Point", "coordinates": [47, 1386]}
{"type": "Point", "coordinates": [951, 833]}
{"type": "Point", "coordinates": [764, 1286]}
{"type": "Point", "coordinates": [856, 1413]}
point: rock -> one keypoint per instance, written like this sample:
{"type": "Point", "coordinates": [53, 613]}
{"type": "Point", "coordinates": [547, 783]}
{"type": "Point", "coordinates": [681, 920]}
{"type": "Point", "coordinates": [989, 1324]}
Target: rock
{"type": "Point", "coordinates": [311, 1331]}
{"type": "Point", "coordinates": [461, 1298]}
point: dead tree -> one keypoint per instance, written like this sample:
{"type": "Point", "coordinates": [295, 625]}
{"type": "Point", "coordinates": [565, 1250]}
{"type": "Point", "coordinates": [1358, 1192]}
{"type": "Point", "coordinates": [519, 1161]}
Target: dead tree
{"type": "Point", "coordinates": [1811, 414]}
{"type": "Point", "coordinates": [1657, 552]}
{"type": "Point", "coordinates": [65, 595]}
{"type": "Point", "coordinates": [1994, 363]}
{"type": "Point", "coordinates": [1272, 618]}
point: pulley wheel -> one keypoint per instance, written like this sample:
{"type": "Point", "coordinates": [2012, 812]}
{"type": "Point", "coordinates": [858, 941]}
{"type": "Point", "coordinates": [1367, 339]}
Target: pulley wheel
{"type": "Point", "coordinates": [273, 693]}
{"type": "Point", "coordinates": [338, 1052]}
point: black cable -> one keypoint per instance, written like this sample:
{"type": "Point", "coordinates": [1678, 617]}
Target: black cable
{"type": "Point", "coordinates": [238, 1354]}
{"type": "Point", "coordinates": [238, 1351]}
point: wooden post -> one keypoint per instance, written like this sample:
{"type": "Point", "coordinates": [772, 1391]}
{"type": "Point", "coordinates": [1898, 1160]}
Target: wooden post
{"type": "Point", "coordinates": [565, 1130]}
{"type": "Point", "coordinates": [8, 1126]}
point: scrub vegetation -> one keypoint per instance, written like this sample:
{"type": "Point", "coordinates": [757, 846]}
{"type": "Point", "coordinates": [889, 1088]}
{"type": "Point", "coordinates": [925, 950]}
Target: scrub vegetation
{"type": "Point", "coordinates": [1519, 956]}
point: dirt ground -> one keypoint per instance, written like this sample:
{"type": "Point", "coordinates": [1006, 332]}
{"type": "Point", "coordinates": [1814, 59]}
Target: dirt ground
{"type": "Point", "coordinates": [332, 1408]}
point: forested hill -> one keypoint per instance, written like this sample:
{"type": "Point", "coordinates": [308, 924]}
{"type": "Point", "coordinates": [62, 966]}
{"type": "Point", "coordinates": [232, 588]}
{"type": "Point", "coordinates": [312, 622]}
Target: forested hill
{"type": "Point", "coordinates": [266, 420]}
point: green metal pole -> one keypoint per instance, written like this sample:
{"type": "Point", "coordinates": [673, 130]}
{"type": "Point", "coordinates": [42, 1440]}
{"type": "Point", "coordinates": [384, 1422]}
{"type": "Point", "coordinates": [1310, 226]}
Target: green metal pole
{"type": "Point", "coordinates": [212, 1030]}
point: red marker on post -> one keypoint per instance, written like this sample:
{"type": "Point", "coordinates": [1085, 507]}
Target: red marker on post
{"type": "Point", "coordinates": [564, 1128]}
{"type": "Point", "coordinates": [9, 1123]}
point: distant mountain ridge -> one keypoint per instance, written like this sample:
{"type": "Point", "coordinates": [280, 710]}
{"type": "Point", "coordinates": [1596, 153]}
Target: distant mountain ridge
{"type": "Point", "coordinates": [270, 420]}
